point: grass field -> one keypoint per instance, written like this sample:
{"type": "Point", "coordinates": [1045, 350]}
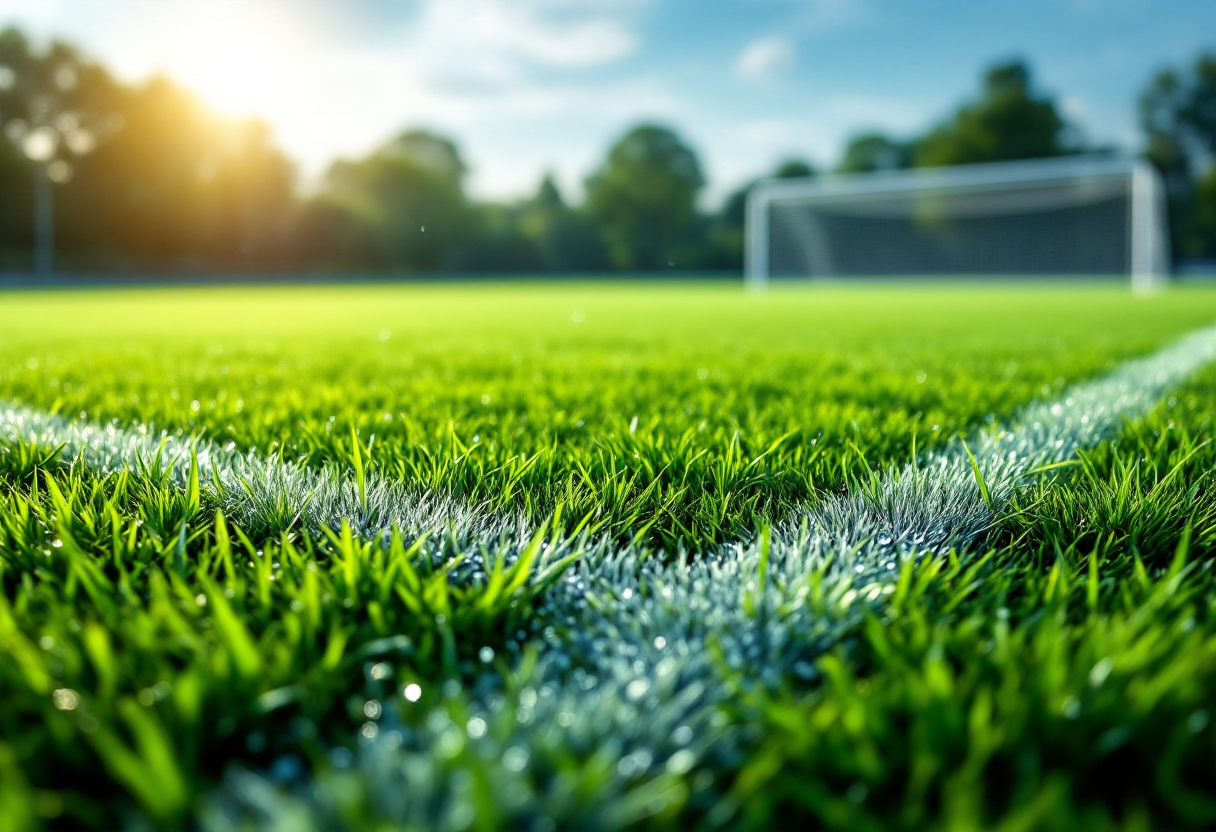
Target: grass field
{"type": "Point", "coordinates": [592, 661]}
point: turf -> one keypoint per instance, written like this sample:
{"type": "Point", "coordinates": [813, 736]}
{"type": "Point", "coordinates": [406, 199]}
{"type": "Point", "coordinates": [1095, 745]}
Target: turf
{"type": "Point", "coordinates": [676, 412]}
{"type": "Point", "coordinates": [1004, 686]}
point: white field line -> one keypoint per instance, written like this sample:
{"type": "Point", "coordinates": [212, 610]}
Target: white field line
{"type": "Point", "coordinates": [254, 491]}
{"type": "Point", "coordinates": [636, 647]}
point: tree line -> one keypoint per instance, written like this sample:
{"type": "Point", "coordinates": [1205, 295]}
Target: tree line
{"type": "Point", "coordinates": [145, 178]}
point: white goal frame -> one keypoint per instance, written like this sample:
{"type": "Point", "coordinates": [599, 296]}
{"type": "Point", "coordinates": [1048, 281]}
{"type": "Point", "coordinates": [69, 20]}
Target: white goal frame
{"type": "Point", "coordinates": [1148, 245]}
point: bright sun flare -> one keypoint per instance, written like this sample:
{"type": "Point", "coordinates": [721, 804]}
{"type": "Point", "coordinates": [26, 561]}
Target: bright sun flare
{"type": "Point", "coordinates": [241, 59]}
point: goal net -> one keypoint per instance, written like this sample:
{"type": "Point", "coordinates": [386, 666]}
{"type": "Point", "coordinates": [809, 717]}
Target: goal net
{"type": "Point", "coordinates": [1066, 216]}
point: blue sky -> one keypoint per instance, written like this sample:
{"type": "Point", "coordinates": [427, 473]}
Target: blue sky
{"type": "Point", "coordinates": [530, 85]}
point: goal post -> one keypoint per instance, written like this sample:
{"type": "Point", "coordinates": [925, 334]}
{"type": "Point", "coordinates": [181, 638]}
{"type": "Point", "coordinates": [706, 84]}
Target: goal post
{"type": "Point", "coordinates": [1073, 215]}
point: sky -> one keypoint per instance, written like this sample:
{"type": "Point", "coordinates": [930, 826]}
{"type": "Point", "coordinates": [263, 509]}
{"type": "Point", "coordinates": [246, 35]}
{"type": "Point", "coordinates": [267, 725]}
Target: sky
{"type": "Point", "coordinates": [529, 86]}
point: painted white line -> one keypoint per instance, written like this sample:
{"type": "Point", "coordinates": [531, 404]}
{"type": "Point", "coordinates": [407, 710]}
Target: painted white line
{"type": "Point", "coordinates": [261, 495]}
{"type": "Point", "coordinates": [636, 646]}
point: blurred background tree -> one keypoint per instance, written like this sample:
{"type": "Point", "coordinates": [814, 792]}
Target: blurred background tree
{"type": "Point", "coordinates": [1009, 121]}
{"type": "Point", "coordinates": [403, 207]}
{"type": "Point", "coordinates": [1178, 116]}
{"type": "Point", "coordinates": [644, 199]}
{"type": "Point", "coordinates": [566, 239]}
{"type": "Point", "coordinates": [54, 107]}
{"type": "Point", "coordinates": [871, 152]}
{"type": "Point", "coordinates": [148, 179]}
{"type": "Point", "coordinates": [175, 187]}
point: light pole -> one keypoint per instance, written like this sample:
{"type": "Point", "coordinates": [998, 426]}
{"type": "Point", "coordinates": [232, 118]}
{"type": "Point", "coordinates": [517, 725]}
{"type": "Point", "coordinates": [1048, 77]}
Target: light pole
{"type": "Point", "coordinates": [40, 145]}
{"type": "Point", "coordinates": [51, 121]}
{"type": "Point", "coordinates": [44, 222]}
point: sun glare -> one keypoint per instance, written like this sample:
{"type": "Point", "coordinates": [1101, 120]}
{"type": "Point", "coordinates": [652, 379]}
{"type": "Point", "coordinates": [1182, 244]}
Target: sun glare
{"type": "Point", "coordinates": [241, 59]}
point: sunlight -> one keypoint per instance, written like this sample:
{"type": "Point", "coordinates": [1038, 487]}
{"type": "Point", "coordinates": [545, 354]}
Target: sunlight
{"type": "Point", "coordinates": [241, 59]}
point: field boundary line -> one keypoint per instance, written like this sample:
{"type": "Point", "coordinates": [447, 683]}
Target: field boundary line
{"type": "Point", "coordinates": [255, 491]}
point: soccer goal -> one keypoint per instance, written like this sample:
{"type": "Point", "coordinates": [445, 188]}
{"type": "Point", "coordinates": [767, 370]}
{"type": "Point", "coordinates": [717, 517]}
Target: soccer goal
{"type": "Point", "coordinates": [1067, 216]}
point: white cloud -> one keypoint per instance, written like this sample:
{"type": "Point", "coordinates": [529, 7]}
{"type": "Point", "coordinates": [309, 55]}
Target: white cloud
{"type": "Point", "coordinates": [1073, 107]}
{"type": "Point", "coordinates": [826, 15]}
{"type": "Point", "coordinates": [543, 31]}
{"type": "Point", "coordinates": [765, 58]}
{"type": "Point", "coordinates": [32, 11]}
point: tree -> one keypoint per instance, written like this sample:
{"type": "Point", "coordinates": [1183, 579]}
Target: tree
{"type": "Point", "coordinates": [567, 240]}
{"type": "Point", "coordinates": [794, 169]}
{"type": "Point", "coordinates": [1199, 112]}
{"type": "Point", "coordinates": [53, 107]}
{"type": "Point", "coordinates": [1009, 121]}
{"type": "Point", "coordinates": [644, 198]}
{"type": "Point", "coordinates": [142, 176]}
{"type": "Point", "coordinates": [1178, 116]}
{"type": "Point", "coordinates": [874, 152]}
{"type": "Point", "coordinates": [495, 242]}
{"type": "Point", "coordinates": [1205, 214]}
{"type": "Point", "coordinates": [179, 187]}
{"type": "Point", "coordinates": [402, 207]}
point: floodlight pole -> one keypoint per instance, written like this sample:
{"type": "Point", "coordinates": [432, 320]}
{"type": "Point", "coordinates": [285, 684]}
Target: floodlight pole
{"type": "Point", "coordinates": [44, 221]}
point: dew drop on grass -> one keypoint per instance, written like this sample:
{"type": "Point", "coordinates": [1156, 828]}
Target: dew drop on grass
{"type": "Point", "coordinates": [515, 758]}
{"type": "Point", "coordinates": [681, 762]}
{"type": "Point", "coordinates": [65, 699]}
{"type": "Point", "coordinates": [637, 688]}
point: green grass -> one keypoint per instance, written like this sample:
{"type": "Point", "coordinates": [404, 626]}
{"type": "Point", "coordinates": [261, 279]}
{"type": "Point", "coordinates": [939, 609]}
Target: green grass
{"type": "Point", "coordinates": [1077, 654]}
{"type": "Point", "coordinates": [677, 412]}
{"type": "Point", "coordinates": [677, 416]}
